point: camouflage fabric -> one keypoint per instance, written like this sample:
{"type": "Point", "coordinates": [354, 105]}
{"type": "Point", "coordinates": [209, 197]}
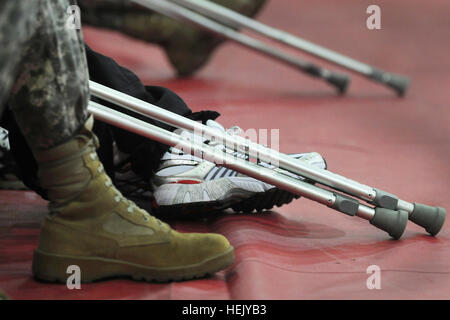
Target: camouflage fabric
{"type": "Point", "coordinates": [16, 24]}
{"type": "Point", "coordinates": [50, 93]}
{"type": "Point", "coordinates": [188, 47]}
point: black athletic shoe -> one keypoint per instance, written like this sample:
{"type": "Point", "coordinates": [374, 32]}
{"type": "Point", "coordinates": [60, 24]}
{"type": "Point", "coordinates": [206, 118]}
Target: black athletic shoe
{"type": "Point", "coordinates": [8, 169]}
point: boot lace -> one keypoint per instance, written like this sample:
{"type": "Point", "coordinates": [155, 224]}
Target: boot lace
{"type": "Point", "coordinates": [132, 207]}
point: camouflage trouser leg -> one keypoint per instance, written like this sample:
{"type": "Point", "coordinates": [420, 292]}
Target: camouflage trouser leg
{"type": "Point", "coordinates": [16, 25]}
{"type": "Point", "coordinates": [50, 95]}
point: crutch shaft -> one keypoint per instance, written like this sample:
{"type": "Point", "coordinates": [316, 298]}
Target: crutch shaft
{"type": "Point", "coordinates": [233, 19]}
{"type": "Point", "coordinates": [340, 81]}
{"type": "Point", "coordinates": [322, 176]}
{"type": "Point", "coordinates": [210, 154]}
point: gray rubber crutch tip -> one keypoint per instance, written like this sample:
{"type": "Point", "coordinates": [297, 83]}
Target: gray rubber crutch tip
{"type": "Point", "coordinates": [340, 81]}
{"type": "Point", "coordinates": [391, 221]}
{"type": "Point", "coordinates": [431, 218]}
{"type": "Point", "coordinates": [399, 83]}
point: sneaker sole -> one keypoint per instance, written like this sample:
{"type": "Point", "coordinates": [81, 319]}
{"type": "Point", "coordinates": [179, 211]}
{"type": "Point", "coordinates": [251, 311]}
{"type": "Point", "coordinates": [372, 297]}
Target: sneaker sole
{"type": "Point", "coordinates": [53, 268]}
{"type": "Point", "coordinates": [240, 202]}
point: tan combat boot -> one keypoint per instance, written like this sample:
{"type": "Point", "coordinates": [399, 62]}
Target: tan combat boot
{"type": "Point", "coordinates": [190, 48]}
{"type": "Point", "coordinates": [91, 225]}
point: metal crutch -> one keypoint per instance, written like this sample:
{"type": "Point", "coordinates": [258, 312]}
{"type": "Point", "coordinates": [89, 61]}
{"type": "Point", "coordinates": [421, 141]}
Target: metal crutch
{"type": "Point", "coordinates": [431, 218]}
{"type": "Point", "coordinates": [393, 222]}
{"type": "Point", "coordinates": [235, 20]}
{"type": "Point", "coordinates": [338, 80]}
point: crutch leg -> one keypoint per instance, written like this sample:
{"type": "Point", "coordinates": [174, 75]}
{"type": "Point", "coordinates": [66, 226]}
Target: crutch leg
{"type": "Point", "coordinates": [430, 218]}
{"type": "Point", "coordinates": [393, 222]}
{"type": "Point", "coordinates": [338, 80]}
{"type": "Point", "coordinates": [233, 19]}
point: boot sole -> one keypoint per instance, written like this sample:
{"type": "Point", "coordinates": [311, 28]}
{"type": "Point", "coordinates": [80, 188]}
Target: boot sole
{"type": "Point", "coordinates": [53, 268]}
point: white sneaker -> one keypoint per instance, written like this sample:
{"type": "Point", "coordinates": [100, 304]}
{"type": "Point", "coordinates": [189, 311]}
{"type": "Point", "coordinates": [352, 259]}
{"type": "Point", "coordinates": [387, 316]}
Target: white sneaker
{"type": "Point", "coordinates": [187, 185]}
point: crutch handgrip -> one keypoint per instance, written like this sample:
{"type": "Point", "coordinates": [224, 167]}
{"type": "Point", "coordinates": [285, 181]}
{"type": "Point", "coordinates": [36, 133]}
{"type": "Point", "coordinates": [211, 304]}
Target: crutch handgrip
{"type": "Point", "coordinates": [393, 222]}
{"type": "Point", "coordinates": [431, 218]}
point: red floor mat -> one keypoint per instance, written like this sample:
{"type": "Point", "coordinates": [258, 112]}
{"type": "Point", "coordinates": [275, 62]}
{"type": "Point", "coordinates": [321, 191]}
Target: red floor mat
{"type": "Point", "coordinates": [303, 250]}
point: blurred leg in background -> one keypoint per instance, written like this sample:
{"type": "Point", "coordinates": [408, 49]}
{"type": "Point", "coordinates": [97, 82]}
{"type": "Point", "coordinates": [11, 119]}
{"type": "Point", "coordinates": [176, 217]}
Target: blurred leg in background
{"type": "Point", "coordinates": [188, 48]}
